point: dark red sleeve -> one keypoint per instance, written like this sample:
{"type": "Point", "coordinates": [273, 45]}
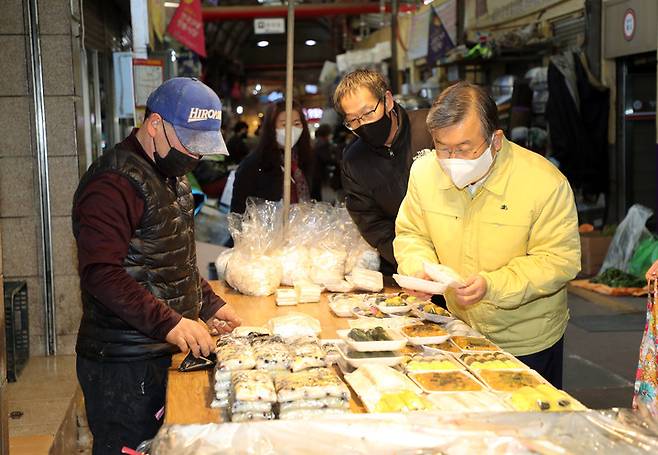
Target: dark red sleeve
{"type": "Point", "coordinates": [211, 301]}
{"type": "Point", "coordinates": [109, 210]}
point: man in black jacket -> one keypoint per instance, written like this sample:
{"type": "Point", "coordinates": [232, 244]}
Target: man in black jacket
{"type": "Point", "coordinates": [142, 295]}
{"type": "Point", "coordinates": [375, 169]}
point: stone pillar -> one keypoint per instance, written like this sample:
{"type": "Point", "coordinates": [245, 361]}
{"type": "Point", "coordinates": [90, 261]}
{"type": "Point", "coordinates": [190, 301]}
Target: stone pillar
{"type": "Point", "coordinates": [20, 219]}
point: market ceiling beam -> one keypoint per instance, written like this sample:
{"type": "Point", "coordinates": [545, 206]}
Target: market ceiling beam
{"type": "Point", "coordinates": [227, 13]}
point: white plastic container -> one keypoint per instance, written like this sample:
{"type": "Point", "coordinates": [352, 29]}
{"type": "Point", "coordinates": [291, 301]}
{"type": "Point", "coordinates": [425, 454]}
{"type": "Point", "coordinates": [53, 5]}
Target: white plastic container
{"type": "Point", "coordinates": [397, 342]}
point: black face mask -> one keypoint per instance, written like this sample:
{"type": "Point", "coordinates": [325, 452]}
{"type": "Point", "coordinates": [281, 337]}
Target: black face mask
{"type": "Point", "coordinates": [376, 133]}
{"type": "Point", "coordinates": [176, 163]}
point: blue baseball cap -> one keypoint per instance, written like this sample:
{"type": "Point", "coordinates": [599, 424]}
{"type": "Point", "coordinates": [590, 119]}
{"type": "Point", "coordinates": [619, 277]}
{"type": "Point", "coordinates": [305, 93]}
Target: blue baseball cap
{"type": "Point", "coordinates": [195, 112]}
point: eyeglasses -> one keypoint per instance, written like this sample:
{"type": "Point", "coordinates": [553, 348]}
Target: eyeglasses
{"type": "Point", "coordinates": [365, 118]}
{"type": "Point", "coordinates": [447, 152]}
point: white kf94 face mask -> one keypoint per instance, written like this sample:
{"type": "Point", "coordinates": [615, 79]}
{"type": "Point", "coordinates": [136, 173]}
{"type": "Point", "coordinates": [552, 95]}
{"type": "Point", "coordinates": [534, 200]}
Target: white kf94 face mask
{"type": "Point", "coordinates": [281, 135]}
{"type": "Point", "coordinates": [466, 172]}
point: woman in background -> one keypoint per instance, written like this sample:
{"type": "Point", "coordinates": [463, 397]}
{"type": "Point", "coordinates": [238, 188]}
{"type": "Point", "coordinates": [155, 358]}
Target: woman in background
{"type": "Point", "coordinates": [260, 174]}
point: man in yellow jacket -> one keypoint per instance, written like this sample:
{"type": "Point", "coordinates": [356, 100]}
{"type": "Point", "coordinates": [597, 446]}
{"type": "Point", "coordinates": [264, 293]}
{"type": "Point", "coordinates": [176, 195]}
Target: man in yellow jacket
{"type": "Point", "coordinates": [501, 216]}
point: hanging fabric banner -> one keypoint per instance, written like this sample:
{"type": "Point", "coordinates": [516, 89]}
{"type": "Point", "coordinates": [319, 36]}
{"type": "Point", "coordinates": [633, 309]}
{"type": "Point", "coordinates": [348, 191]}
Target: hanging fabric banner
{"type": "Point", "coordinates": [442, 31]}
{"type": "Point", "coordinates": [187, 26]}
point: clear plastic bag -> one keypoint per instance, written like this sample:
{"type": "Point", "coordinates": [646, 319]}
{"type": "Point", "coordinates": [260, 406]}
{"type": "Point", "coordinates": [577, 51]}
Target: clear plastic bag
{"type": "Point", "coordinates": [294, 325]}
{"type": "Point", "coordinates": [626, 238]}
{"type": "Point", "coordinates": [221, 262]}
{"type": "Point", "coordinates": [257, 233]}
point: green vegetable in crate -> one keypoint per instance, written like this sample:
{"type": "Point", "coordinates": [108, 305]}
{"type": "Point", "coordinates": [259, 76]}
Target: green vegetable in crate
{"type": "Point", "coordinates": [616, 278]}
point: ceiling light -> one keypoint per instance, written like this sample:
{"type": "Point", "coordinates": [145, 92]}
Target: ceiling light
{"type": "Point", "coordinates": [311, 42]}
{"type": "Point", "coordinates": [263, 43]}
{"type": "Point", "coordinates": [258, 87]}
{"type": "Point", "coordinates": [171, 4]}
{"type": "Point", "coordinates": [239, 110]}
{"type": "Point", "coordinates": [260, 115]}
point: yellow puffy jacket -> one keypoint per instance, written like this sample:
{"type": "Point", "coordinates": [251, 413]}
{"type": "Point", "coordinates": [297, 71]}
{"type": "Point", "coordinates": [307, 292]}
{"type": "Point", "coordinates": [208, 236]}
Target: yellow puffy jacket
{"type": "Point", "coordinates": [519, 231]}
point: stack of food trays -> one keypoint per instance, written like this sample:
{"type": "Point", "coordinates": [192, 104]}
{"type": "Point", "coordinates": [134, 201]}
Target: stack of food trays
{"type": "Point", "coordinates": [376, 345]}
{"type": "Point", "coordinates": [256, 376]}
{"type": "Point", "coordinates": [315, 392]}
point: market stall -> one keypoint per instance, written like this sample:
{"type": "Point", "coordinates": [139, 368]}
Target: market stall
{"type": "Point", "coordinates": [193, 426]}
{"type": "Point", "coordinates": [475, 374]}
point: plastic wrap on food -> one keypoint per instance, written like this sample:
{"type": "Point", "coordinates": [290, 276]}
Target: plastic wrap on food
{"type": "Point", "coordinates": [252, 416]}
{"type": "Point", "coordinates": [327, 264]}
{"type": "Point", "coordinates": [222, 261]}
{"type": "Point", "coordinates": [402, 401]}
{"type": "Point", "coordinates": [245, 331]}
{"type": "Point", "coordinates": [293, 325]}
{"type": "Point", "coordinates": [359, 253]}
{"type": "Point", "coordinates": [307, 354]}
{"type": "Point", "coordinates": [468, 402]}
{"type": "Point", "coordinates": [362, 256]}
{"type": "Point", "coordinates": [367, 280]}
{"type": "Point", "coordinates": [386, 378]}
{"type": "Point", "coordinates": [318, 403]}
{"type": "Point", "coordinates": [271, 354]}
{"type": "Point", "coordinates": [299, 414]}
{"type": "Point", "coordinates": [295, 264]}
{"type": "Point", "coordinates": [338, 286]}
{"type": "Point", "coordinates": [234, 353]}
{"type": "Point", "coordinates": [310, 384]}
{"type": "Point", "coordinates": [286, 297]}
{"type": "Point", "coordinates": [603, 432]}
{"type": "Point", "coordinates": [253, 275]}
{"type": "Point", "coordinates": [257, 233]}
{"type": "Point", "coordinates": [253, 385]}
{"type": "Point", "coordinates": [238, 407]}
{"type": "Point", "coordinates": [219, 403]}
{"type": "Point", "coordinates": [308, 292]}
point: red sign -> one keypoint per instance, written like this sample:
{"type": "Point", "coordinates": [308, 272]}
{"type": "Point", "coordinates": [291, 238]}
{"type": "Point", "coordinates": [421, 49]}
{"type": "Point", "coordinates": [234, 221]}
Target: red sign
{"type": "Point", "coordinates": [187, 26]}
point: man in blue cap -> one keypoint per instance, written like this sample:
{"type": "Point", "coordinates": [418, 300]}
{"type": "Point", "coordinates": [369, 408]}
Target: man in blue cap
{"type": "Point", "coordinates": [142, 294]}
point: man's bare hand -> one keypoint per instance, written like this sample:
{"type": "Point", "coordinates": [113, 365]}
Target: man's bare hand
{"type": "Point", "coordinates": [472, 292]}
{"type": "Point", "coordinates": [191, 335]}
{"type": "Point", "coordinates": [224, 320]}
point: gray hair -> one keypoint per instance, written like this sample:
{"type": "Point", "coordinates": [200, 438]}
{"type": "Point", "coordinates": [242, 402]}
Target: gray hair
{"type": "Point", "coordinates": [453, 104]}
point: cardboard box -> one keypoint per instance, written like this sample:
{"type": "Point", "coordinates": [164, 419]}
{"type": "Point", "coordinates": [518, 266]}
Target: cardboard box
{"type": "Point", "coordinates": [594, 247]}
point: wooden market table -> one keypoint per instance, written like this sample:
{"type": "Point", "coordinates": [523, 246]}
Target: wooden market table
{"type": "Point", "coordinates": [189, 394]}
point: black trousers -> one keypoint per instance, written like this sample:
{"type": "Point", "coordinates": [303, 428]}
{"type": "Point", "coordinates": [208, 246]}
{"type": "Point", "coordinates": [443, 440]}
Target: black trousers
{"type": "Point", "coordinates": [122, 400]}
{"type": "Point", "coordinates": [548, 362]}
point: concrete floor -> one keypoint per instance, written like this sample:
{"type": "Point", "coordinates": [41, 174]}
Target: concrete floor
{"type": "Point", "coordinates": [600, 366]}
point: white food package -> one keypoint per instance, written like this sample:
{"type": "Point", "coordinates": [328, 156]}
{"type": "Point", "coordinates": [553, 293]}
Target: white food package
{"type": "Point", "coordinates": [443, 274]}
{"type": "Point", "coordinates": [366, 280]}
{"type": "Point", "coordinates": [327, 264]}
{"type": "Point", "coordinates": [386, 378]}
{"type": "Point", "coordinates": [295, 264]}
{"type": "Point", "coordinates": [307, 292]}
{"type": "Point", "coordinates": [285, 297]}
{"type": "Point", "coordinates": [293, 325]}
{"type": "Point", "coordinates": [253, 275]}
{"type": "Point", "coordinates": [339, 286]}
{"type": "Point", "coordinates": [418, 284]}
{"type": "Point", "coordinates": [364, 257]}
{"type": "Point", "coordinates": [253, 385]}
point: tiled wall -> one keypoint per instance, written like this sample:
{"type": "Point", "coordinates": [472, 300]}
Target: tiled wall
{"type": "Point", "coordinates": [19, 198]}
